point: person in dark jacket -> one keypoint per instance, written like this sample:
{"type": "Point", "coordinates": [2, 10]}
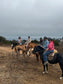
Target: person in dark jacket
{"type": "Point", "coordinates": [41, 42]}
{"type": "Point", "coordinates": [39, 48]}
{"type": "Point", "coordinates": [58, 58]}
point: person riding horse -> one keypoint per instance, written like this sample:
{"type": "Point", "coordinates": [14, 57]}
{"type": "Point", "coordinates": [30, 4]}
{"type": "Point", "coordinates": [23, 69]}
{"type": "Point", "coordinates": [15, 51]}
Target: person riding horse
{"type": "Point", "coordinates": [40, 49]}
{"type": "Point", "coordinates": [48, 50]}
{"type": "Point", "coordinates": [19, 41]}
{"type": "Point", "coordinates": [27, 42]}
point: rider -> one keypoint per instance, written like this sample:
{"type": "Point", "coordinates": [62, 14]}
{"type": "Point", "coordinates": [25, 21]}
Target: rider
{"type": "Point", "coordinates": [40, 46]}
{"type": "Point", "coordinates": [40, 49]}
{"type": "Point", "coordinates": [46, 42]}
{"type": "Point", "coordinates": [43, 45]}
{"type": "Point", "coordinates": [41, 42]}
{"type": "Point", "coordinates": [49, 50]}
{"type": "Point", "coordinates": [28, 41]}
{"type": "Point", "coordinates": [19, 41]}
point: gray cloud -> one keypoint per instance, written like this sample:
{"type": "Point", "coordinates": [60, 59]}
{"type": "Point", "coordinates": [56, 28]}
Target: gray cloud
{"type": "Point", "coordinates": [31, 16]}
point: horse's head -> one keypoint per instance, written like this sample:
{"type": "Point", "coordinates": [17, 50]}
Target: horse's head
{"type": "Point", "coordinates": [37, 49]}
{"type": "Point", "coordinates": [31, 45]}
{"type": "Point", "coordinates": [34, 50]}
{"type": "Point", "coordinates": [13, 45]}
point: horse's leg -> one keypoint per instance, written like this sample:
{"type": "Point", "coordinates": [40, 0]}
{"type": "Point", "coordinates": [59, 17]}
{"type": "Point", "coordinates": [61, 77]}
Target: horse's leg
{"type": "Point", "coordinates": [61, 66]}
{"type": "Point", "coordinates": [18, 53]}
{"type": "Point", "coordinates": [13, 54]}
{"type": "Point", "coordinates": [41, 57]}
{"type": "Point", "coordinates": [28, 53]}
{"type": "Point", "coordinates": [43, 65]}
{"type": "Point", "coordinates": [47, 68]}
{"type": "Point", "coordinates": [43, 68]}
{"type": "Point", "coordinates": [37, 57]}
{"type": "Point", "coordinates": [23, 53]}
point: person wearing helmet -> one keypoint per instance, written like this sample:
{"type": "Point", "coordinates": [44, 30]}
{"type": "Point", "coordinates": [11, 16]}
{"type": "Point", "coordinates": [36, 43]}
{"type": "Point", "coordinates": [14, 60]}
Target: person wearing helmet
{"type": "Point", "coordinates": [27, 42]}
{"type": "Point", "coordinates": [49, 50]}
{"type": "Point", "coordinates": [19, 41]}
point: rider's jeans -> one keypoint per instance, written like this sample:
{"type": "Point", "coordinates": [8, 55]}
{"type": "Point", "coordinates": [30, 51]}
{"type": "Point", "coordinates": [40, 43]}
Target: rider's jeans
{"type": "Point", "coordinates": [45, 55]}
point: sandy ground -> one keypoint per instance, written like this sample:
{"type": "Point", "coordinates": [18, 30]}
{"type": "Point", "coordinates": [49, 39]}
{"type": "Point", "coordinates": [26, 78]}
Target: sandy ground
{"type": "Point", "coordinates": [25, 70]}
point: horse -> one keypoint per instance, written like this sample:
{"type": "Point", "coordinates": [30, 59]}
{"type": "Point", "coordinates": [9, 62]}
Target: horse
{"type": "Point", "coordinates": [30, 48]}
{"type": "Point", "coordinates": [41, 50]}
{"type": "Point", "coordinates": [31, 45]}
{"type": "Point", "coordinates": [58, 58]}
{"type": "Point", "coordinates": [17, 48]}
{"type": "Point", "coordinates": [38, 49]}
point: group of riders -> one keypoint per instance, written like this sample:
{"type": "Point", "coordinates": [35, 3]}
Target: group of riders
{"type": "Point", "coordinates": [26, 43]}
{"type": "Point", "coordinates": [46, 44]}
{"type": "Point", "coordinates": [45, 48]}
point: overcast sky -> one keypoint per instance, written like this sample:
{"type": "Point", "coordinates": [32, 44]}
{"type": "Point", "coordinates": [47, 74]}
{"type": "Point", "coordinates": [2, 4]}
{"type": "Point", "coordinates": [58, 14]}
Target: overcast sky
{"type": "Point", "coordinates": [31, 16]}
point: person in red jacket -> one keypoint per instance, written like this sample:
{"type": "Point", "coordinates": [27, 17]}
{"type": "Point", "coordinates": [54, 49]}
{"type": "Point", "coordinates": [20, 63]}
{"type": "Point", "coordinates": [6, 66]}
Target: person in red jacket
{"type": "Point", "coordinates": [49, 50]}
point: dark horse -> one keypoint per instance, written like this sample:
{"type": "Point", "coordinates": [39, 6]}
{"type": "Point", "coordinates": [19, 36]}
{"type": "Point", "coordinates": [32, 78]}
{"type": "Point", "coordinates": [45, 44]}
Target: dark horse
{"type": "Point", "coordinates": [40, 50]}
{"type": "Point", "coordinates": [14, 44]}
{"type": "Point", "coordinates": [58, 58]}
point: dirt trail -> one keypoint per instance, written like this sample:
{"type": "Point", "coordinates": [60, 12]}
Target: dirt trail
{"type": "Point", "coordinates": [25, 70]}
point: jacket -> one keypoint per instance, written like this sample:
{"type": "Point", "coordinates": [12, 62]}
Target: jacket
{"type": "Point", "coordinates": [46, 44]}
{"type": "Point", "coordinates": [51, 45]}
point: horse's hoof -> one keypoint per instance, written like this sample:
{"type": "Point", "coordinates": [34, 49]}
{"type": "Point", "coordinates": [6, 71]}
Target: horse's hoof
{"type": "Point", "coordinates": [61, 78]}
{"type": "Point", "coordinates": [43, 72]}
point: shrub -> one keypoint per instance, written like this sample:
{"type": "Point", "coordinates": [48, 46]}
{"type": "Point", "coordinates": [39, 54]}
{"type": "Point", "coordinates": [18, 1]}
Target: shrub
{"type": "Point", "coordinates": [35, 41]}
{"type": "Point", "coordinates": [2, 39]}
{"type": "Point", "coordinates": [23, 41]}
{"type": "Point", "coordinates": [56, 42]}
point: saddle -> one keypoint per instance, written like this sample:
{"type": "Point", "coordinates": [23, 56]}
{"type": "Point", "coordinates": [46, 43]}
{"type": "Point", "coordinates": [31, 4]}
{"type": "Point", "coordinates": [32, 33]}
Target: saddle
{"type": "Point", "coordinates": [51, 55]}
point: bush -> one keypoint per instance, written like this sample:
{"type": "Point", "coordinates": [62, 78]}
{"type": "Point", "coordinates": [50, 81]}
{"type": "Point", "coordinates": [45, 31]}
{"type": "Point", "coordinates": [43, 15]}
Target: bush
{"type": "Point", "coordinates": [56, 42]}
{"type": "Point", "coordinates": [23, 41]}
{"type": "Point", "coordinates": [2, 39]}
{"type": "Point", "coordinates": [35, 41]}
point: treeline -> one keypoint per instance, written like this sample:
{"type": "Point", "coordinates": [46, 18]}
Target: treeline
{"type": "Point", "coordinates": [3, 40]}
{"type": "Point", "coordinates": [56, 42]}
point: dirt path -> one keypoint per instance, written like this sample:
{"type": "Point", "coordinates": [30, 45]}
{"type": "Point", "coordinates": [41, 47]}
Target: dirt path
{"type": "Point", "coordinates": [26, 70]}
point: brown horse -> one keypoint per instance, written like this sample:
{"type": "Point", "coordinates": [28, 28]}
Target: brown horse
{"type": "Point", "coordinates": [25, 51]}
{"type": "Point", "coordinates": [30, 47]}
{"type": "Point", "coordinates": [17, 48]}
